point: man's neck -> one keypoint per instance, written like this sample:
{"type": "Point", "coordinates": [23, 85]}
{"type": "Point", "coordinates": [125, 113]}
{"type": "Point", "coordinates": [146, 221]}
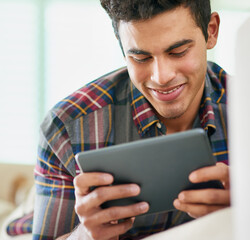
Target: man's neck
{"type": "Point", "coordinates": [178, 124]}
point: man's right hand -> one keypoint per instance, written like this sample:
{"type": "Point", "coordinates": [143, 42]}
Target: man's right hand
{"type": "Point", "coordinates": [98, 223]}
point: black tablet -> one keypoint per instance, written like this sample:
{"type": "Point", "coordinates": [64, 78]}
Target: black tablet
{"type": "Point", "coordinates": [159, 165]}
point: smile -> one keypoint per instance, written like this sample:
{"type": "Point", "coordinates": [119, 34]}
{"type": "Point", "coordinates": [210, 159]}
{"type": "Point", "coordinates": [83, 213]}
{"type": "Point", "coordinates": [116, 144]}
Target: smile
{"type": "Point", "coordinates": [168, 92]}
{"type": "Point", "coordinates": [168, 95]}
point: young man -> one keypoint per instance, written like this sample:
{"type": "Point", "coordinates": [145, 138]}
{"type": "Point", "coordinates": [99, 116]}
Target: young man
{"type": "Point", "coordinates": [167, 87]}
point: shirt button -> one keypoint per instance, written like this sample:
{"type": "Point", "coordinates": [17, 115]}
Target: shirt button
{"type": "Point", "coordinates": [158, 125]}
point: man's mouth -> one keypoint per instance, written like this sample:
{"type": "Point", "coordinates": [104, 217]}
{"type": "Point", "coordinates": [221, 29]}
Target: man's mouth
{"type": "Point", "coordinates": [168, 92]}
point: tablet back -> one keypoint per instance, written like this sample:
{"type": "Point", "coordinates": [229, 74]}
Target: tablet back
{"type": "Point", "coordinates": [160, 165]}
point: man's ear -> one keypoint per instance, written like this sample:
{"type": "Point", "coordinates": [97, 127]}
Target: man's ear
{"type": "Point", "coordinates": [213, 30]}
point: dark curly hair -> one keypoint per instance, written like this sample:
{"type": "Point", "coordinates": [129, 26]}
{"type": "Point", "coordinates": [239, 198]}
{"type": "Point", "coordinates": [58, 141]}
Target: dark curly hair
{"type": "Point", "coordinates": [134, 10]}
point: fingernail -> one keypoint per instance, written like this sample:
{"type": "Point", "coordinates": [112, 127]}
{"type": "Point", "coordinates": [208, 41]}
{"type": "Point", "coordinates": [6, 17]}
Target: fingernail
{"type": "Point", "coordinates": [181, 196]}
{"type": "Point", "coordinates": [144, 206]}
{"type": "Point", "coordinates": [177, 203]}
{"type": "Point", "coordinates": [134, 189]}
{"type": "Point", "coordinates": [107, 178]}
{"type": "Point", "coordinates": [192, 177]}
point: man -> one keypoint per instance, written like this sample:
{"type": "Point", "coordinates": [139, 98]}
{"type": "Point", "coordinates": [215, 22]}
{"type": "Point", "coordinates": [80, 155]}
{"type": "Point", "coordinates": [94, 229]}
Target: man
{"type": "Point", "coordinates": [167, 87]}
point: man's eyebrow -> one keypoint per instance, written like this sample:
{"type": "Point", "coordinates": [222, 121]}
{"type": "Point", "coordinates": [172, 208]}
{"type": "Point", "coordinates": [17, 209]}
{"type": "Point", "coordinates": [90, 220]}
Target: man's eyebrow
{"type": "Point", "coordinates": [179, 44]}
{"type": "Point", "coordinates": [136, 51]}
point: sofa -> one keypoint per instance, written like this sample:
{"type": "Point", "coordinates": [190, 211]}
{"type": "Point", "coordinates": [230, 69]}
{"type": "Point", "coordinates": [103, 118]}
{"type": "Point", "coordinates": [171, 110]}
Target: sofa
{"type": "Point", "coordinates": [16, 197]}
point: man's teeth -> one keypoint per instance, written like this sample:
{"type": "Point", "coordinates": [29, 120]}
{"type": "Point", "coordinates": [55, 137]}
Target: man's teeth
{"type": "Point", "coordinates": [168, 92]}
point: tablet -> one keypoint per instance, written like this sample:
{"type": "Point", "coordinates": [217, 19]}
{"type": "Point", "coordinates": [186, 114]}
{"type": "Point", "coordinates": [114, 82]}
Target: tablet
{"type": "Point", "coordinates": [159, 165]}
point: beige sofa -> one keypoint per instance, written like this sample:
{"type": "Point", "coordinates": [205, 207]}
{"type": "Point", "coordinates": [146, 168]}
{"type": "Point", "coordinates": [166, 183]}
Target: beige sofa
{"type": "Point", "coordinates": [16, 196]}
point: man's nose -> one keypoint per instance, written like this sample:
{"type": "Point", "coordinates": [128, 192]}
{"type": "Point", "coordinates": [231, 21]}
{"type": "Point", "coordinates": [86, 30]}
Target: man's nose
{"type": "Point", "coordinates": [163, 71]}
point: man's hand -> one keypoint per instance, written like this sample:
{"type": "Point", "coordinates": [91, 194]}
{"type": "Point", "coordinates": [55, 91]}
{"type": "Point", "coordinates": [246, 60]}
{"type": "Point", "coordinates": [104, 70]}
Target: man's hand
{"type": "Point", "coordinates": [100, 223]}
{"type": "Point", "coordinates": [198, 203]}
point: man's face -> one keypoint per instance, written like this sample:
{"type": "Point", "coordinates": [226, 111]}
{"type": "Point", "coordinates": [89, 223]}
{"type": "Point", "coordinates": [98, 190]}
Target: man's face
{"type": "Point", "coordinates": [166, 60]}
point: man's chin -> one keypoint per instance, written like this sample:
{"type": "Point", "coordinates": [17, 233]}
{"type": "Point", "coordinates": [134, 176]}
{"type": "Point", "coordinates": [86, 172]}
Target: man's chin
{"type": "Point", "coordinates": [174, 117]}
{"type": "Point", "coordinates": [171, 116]}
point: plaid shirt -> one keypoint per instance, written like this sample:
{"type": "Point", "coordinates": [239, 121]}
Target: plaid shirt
{"type": "Point", "coordinates": [109, 111]}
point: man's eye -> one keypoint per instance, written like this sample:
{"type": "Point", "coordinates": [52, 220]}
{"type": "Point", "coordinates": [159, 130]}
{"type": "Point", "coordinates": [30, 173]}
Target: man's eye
{"type": "Point", "coordinates": [179, 54]}
{"type": "Point", "coordinates": [141, 60]}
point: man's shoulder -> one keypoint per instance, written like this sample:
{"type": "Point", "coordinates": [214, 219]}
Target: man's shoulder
{"type": "Point", "coordinates": [217, 74]}
{"type": "Point", "coordinates": [91, 97]}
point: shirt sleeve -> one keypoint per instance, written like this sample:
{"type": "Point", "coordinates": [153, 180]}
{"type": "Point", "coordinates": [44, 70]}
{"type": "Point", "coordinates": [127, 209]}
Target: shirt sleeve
{"type": "Point", "coordinates": [54, 213]}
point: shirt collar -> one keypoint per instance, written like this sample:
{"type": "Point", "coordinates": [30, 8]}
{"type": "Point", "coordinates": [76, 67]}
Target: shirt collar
{"type": "Point", "coordinates": [143, 114]}
{"type": "Point", "coordinates": [214, 94]}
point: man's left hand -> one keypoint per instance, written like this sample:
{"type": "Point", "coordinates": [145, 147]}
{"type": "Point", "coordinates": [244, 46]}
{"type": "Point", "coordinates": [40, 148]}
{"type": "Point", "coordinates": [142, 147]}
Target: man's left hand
{"type": "Point", "coordinates": [198, 203]}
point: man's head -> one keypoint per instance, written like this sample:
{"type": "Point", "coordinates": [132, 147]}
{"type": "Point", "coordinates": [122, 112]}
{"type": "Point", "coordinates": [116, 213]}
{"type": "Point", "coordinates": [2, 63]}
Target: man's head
{"type": "Point", "coordinates": [166, 52]}
{"type": "Point", "coordinates": [135, 10]}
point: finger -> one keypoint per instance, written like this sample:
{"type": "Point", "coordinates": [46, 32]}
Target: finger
{"type": "Point", "coordinates": [197, 210]}
{"type": "Point", "coordinates": [118, 213]}
{"type": "Point", "coordinates": [111, 215]}
{"type": "Point", "coordinates": [206, 196]}
{"type": "Point", "coordinates": [84, 181]}
{"type": "Point", "coordinates": [103, 194]}
{"type": "Point", "coordinates": [218, 172]}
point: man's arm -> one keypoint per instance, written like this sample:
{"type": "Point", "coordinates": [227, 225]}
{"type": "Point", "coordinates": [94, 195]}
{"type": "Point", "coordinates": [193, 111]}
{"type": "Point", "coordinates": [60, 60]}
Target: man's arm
{"type": "Point", "coordinates": [54, 213]}
{"type": "Point", "coordinates": [54, 201]}
{"type": "Point", "coordinates": [198, 203]}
